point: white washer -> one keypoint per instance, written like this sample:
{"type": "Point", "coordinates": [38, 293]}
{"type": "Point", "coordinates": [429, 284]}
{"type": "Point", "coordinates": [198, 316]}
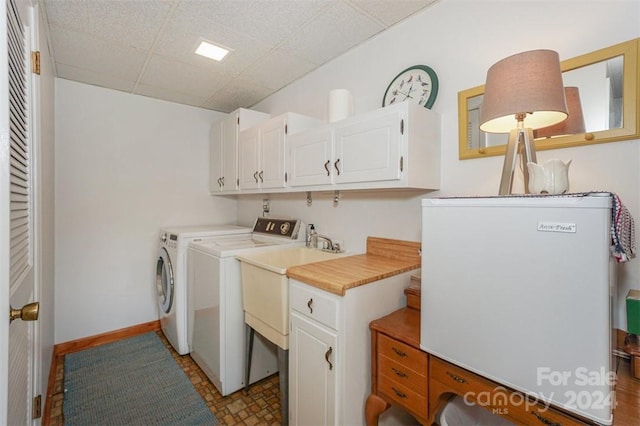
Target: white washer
{"type": "Point", "coordinates": [171, 279]}
{"type": "Point", "coordinates": [218, 328]}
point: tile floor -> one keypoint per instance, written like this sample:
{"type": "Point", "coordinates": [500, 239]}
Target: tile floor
{"type": "Point", "coordinates": [261, 406]}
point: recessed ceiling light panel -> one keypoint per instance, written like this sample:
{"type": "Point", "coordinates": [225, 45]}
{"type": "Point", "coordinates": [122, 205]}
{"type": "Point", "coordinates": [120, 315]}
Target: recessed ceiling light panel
{"type": "Point", "coordinates": [211, 50]}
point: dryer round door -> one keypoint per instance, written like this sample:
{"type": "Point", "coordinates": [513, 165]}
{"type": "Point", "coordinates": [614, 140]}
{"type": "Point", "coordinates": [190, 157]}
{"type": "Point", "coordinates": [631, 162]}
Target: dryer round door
{"type": "Point", "coordinates": [164, 280]}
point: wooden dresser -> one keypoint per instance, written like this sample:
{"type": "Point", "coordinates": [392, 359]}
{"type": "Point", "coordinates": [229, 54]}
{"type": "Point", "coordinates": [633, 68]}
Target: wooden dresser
{"type": "Point", "coordinates": [399, 369]}
{"type": "Point", "coordinates": [404, 375]}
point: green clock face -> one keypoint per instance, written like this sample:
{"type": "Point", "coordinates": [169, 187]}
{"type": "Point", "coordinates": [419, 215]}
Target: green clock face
{"type": "Point", "coordinates": [418, 83]}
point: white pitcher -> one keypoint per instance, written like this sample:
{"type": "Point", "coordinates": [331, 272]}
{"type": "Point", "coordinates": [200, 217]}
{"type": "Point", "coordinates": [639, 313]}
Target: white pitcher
{"type": "Point", "coordinates": [550, 178]}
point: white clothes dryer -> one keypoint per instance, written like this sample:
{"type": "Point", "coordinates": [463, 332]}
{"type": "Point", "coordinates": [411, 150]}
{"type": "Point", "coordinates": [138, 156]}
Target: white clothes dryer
{"type": "Point", "coordinates": [219, 328]}
{"type": "Point", "coordinates": [171, 279]}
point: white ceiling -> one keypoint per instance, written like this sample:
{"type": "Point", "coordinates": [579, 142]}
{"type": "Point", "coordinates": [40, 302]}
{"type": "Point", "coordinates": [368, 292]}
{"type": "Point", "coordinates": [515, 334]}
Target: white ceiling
{"type": "Point", "coordinates": [146, 46]}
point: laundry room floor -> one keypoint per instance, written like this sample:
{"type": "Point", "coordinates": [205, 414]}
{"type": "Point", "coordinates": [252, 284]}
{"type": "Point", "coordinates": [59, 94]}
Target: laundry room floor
{"type": "Point", "coordinates": [261, 406]}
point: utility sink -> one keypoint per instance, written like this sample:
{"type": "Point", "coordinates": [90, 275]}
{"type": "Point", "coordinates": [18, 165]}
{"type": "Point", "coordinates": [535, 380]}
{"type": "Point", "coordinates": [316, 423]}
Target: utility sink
{"type": "Point", "coordinates": [265, 288]}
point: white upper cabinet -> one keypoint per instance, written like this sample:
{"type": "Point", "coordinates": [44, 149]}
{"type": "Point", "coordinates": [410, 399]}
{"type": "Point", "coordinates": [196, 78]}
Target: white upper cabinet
{"type": "Point", "coordinates": [262, 151]}
{"type": "Point", "coordinates": [393, 147]}
{"type": "Point", "coordinates": [223, 148]}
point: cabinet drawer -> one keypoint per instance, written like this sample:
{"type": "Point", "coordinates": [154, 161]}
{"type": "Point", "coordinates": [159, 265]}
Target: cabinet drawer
{"type": "Point", "coordinates": [403, 396]}
{"type": "Point", "coordinates": [402, 374]}
{"type": "Point", "coordinates": [495, 397]}
{"type": "Point", "coordinates": [403, 354]}
{"type": "Point", "coordinates": [315, 304]}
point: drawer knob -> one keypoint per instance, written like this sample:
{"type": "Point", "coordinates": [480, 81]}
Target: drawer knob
{"type": "Point", "coordinates": [398, 393]}
{"type": "Point", "coordinates": [398, 372]}
{"type": "Point", "coordinates": [326, 357]}
{"type": "Point", "coordinates": [545, 420]}
{"type": "Point", "coordinates": [399, 352]}
{"type": "Point", "coordinates": [456, 378]}
{"type": "Point", "coordinates": [309, 303]}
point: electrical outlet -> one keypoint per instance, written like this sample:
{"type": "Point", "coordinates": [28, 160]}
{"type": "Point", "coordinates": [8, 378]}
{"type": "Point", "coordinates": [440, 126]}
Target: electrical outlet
{"type": "Point", "coordinates": [266, 206]}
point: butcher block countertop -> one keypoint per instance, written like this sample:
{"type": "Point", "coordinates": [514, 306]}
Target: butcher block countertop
{"type": "Point", "coordinates": [384, 258]}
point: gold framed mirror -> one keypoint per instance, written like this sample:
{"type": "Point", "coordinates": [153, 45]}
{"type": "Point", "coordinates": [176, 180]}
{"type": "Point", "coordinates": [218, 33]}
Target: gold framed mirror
{"type": "Point", "coordinates": [608, 80]}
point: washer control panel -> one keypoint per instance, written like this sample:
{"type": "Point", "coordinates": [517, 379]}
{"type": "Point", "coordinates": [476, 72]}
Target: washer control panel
{"type": "Point", "coordinates": [168, 240]}
{"type": "Point", "coordinates": [278, 227]}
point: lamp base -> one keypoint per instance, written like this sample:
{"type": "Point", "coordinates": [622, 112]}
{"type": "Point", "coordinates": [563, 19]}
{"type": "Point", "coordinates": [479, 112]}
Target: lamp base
{"type": "Point", "coordinates": [520, 141]}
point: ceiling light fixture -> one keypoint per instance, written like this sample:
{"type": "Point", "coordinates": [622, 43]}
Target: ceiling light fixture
{"type": "Point", "coordinates": [212, 51]}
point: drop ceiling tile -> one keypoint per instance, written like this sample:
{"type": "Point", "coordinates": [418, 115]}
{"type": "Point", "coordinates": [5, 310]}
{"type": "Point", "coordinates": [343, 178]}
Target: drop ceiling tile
{"type": "Point", "coordinates": [339, 28]}
{"type": "Point", "coordinates": [83, 51]}
{"type": "Point", "coordinates": [391, 12]}
{"type": "Point", "coordinates": [103, 80]}
{"type": "Point", "coordinates": [130, 23]}
{"type": "Point", "coordinates": [269, 21]}
{"type": "Point", "coordinates": [179, 44]}
{"type": "Point", "coordinates": [277, 69]}
{"type": "Point", "coordinates": [181, 77]}
{"type": "Point", "coordinates": [169, 95]}
{"type": "Point", "coordinates": [238, 94]}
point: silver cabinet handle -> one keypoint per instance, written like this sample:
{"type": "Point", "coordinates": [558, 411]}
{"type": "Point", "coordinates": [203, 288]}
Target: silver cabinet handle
{"type": "Point", "coordinates": [326, 167]}
{"type": "Point", "coordinates": [309, 303]}
{"type": "Point", "coordinates": [255, 177]}
{"type": "Point", "coordinates": [222, 181]}
{"type": "Point", "coordinates": [260, 176]}
{"type": "Point", "coordinates": [336, 166]}
{"type": "Point", "coordinates": [326, 357]}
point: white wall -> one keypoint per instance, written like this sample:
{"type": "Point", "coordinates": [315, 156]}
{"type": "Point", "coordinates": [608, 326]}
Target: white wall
{"type": "Point", "coordinates": [126, 165]}
{"type": "Point", "coordinates": [460, 39]}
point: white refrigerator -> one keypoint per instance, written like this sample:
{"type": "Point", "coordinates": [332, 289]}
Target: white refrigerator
{"type": "Point", "coordinates": [521, 290]}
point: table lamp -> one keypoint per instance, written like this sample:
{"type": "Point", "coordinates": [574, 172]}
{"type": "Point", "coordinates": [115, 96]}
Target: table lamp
{"type": "Point", "coordinates": [573, 125]}
{"type": "Point", "coordinates": [522, 92]}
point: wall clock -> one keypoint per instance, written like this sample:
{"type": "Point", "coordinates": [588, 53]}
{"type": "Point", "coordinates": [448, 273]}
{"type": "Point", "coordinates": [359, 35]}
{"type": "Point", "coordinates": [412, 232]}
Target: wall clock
{"type": "Point", "coordinates": [418, 83]}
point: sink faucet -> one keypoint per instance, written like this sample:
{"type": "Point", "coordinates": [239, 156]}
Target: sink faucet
{"type": "Point", "coordinates": [312, 240]}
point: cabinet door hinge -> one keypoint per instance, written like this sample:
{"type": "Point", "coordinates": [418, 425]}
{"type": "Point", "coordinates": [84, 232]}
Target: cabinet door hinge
{"type": "Point", "coordinates": [35, 62]}
{"type": "Point", "coordinates": [37, 407]}
{"type": "Point", "coordinates": [401, 164]}
{"type": "Point", "coordinates": [402, 126]}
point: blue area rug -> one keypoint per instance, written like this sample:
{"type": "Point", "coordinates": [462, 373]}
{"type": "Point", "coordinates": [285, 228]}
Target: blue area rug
{"type": "Point", "coordinates": [133, 381]}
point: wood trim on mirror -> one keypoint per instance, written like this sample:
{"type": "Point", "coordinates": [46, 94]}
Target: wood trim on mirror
{"type": "Point", "coordinates": [631, 113]}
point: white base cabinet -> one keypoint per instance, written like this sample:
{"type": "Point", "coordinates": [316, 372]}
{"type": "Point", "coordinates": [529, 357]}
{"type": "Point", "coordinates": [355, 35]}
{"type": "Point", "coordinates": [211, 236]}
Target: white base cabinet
{"type": "Point", "coordinates": [330, 349]}
{"type": "Point", "coordinates": [223, 148]}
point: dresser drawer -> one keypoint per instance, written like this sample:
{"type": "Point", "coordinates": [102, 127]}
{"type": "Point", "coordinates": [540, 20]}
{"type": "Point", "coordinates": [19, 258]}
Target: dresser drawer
{"type": "Point", "coordinates": [402, 374]}
{"type": "Point", "coordinates": [403, 354]}
{"type": "Point", "coordinates": [403, 396]}
{"type": "Point", "coordinates": [493, 396]}
{"type": "Point", "coordinates": [314, 303]}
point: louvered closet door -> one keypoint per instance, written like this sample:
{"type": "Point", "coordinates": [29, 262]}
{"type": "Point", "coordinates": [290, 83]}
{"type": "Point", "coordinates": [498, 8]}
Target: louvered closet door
{"type": "Point", "coordinates": [16, 256]}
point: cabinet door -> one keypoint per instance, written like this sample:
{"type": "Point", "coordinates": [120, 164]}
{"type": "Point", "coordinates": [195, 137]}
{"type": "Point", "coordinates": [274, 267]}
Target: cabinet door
{"type": "Point", "coordinates": [312, 373]}
{"type": "Point", "coordinates": [310, 157]}
{"type": "Point", "coordinates": [369, 150]}
{"type": "Point", "coordinates": [248, 145]}
{"type": "Point", "coordinates": [215, 157]}
{"type": "Point", "coordinates": [230, 153]}
{"type": "Point", "coordinates": [271, 171]}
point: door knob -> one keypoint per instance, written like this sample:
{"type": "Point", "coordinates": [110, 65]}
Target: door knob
{"type": "Point", "coordinates": [29, 312]}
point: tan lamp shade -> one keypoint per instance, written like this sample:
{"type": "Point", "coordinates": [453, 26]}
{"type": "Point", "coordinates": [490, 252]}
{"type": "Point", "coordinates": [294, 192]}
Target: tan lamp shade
{"type": "Point", "coordinates": [528, 82]}
{"type": "Point", "coordinates": [573, 125]}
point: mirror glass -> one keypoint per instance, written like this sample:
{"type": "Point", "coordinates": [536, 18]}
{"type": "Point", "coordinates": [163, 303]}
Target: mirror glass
{"type": "Point", "coordinates": [607, 80]}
